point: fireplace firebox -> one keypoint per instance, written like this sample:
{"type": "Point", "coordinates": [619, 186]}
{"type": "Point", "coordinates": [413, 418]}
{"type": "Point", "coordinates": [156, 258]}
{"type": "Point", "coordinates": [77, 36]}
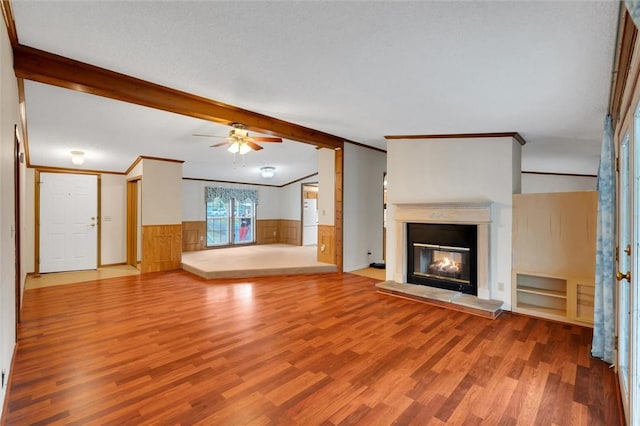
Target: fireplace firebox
{"type": "Point", "coordinates": [443, 256]}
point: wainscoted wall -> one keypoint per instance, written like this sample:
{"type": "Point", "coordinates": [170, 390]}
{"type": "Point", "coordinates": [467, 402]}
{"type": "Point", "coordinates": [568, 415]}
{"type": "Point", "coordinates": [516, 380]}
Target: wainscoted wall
{"type": "Point", "coordinates": [161, 247]}
{"type": "Point", "coordinates": [268, 231]}
{"type": "Point", "coordinates": [326, 244]}
{"type": "Point", "coordinates": [289, 232]}
{"type": "Point", "coordinates": [193, 235]}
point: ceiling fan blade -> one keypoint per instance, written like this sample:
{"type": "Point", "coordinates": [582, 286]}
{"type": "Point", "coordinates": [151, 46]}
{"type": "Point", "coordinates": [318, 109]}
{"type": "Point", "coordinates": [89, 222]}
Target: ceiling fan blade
{"type": "Point", "coordinates": [208, 136]}
{"type": "Point", "coordinates": [265, 139]}
{"type": "Point", "coordinates": [219, 144]}
{"type": "Point", "coordinates": [253, 146]}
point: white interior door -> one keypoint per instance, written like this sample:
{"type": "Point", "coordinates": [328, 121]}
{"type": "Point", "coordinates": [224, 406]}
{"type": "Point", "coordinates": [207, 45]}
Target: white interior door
{"type": "Point", "coordinates": [68, 222]}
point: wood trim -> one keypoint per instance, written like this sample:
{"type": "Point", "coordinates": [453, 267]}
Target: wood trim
{"type": "Point", "coordinates": [23, 120]}
{"type": "Point", "coordinates": [368, 146]}
{"type": "Point", "coordinates": [247, 183]}
{"type": "Point", "coordinates": [44, 67]}
{"type": "Point", "coordinates": [626, 39]}
{"type": "Point", "coordinates": [514, 135]}
{"type": "Point", "coordinates": [99, 221]}
{"type": "Point", "coordinates": [132, 222]}
{"type": "Point", "coordinates": [7, 14]}
{"type": "Point", "coordinates": [298, 180]}
{"type": "Point", "coordinates": [558, 174]}
{"type": "Point", "coordinates": [70, 170]}
{"type": "Point", "coordinates": [36, 220]}
{"type": "Point", "coordinates": [338, 203]}
{"type": "Point", "coordinates": [230, 181]}
{"type": "Point", "coordinates": [107, 265]}
{"type": "Point", "coordinates": [17, 226]}
{"type": "Point", "coordinates": [144, 157]}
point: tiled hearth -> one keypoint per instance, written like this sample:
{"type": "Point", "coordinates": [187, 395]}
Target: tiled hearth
{"type": "Point", "coordinates": [445, 298]}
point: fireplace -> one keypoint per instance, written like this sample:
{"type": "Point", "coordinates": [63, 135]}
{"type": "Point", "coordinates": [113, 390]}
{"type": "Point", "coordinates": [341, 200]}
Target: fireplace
{"type": "Point", "coordinates": [443, 256]}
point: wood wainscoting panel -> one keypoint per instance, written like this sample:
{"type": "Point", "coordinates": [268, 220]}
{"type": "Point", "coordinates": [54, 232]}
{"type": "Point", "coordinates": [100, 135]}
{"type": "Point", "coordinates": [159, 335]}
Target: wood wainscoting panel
{"type": "Point", "coordinates": [267, 231]}
{"type": "Point", "coordinates": [161, 247]}
{"type": "Point", "coordinates": [290, 232]}
{"type": "Point", "coordinates": [193, 235]}
{"type": "Point", "coordinates": [326, 244]}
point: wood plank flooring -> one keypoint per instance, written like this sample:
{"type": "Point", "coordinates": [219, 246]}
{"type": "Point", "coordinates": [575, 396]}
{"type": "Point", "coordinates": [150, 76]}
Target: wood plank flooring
{"type": "Point", "coordinates": [171, 348]}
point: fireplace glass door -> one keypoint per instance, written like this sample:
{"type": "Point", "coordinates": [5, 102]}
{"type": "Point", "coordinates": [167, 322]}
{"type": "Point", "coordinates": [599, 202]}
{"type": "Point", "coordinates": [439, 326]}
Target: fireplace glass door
{"type": "Point", "coordinates": [442, 262]}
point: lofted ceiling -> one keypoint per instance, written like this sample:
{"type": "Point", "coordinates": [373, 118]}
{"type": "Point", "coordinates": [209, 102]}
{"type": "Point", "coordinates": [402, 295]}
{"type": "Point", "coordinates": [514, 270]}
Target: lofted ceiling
{"type": "Point", "coordinates": [358, 70]}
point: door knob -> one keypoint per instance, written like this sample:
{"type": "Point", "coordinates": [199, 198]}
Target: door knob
{"type": "Point", "coordinates": [620, 276]}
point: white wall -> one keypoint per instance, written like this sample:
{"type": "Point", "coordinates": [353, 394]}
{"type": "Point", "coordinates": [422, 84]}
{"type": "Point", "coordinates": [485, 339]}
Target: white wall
{"type": "Point", "coordinates": [478, 169]}
{"type": "Point", "coordinates": [291, 199]}
{"type": "Point", "coordinates": [113, 205]}
{"type": "Point", "coordinates": [9, 117]}
{"type": "Point", "coordinates": [540, 183]}
{"type": "Point", "coordinates": [362, 208]}
{"type": "Point", "coordinates": [161, 192]}
{"type": "Point", "coordinates": [193, 204]}
{"type": "Point", "coordinates": [326, 186]}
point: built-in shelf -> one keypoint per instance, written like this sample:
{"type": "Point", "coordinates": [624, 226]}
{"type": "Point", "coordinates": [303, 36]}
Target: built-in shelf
{"type": "Point", "coordinates": [553, 271]}
{"type": "Point", "coordinates": [552, 297]}
{"type": "Point", "coordinates": [543, 310]}
{"type": "Point", "coordinates": [543, 292]}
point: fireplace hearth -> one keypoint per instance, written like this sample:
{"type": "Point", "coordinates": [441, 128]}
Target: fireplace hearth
{"type": "Point", "coordinates": [442, 256]}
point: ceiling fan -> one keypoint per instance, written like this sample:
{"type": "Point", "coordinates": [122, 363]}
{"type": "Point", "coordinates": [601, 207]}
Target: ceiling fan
{"type": "Point", "coordinates": [239, 140]}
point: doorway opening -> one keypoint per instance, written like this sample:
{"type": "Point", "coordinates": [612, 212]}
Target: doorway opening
{"type": "Point", "coordinates": [310, 214]}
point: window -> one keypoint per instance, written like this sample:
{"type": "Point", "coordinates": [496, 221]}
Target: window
{"type": "Point", "coordinates": [230, 216]}
{"type": "Point", "coordinates": [217, 222]}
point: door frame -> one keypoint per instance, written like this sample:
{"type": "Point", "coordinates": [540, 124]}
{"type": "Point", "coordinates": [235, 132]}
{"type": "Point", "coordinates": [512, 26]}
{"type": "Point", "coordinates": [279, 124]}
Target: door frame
{"type": "Point", "coordinates": [132, 220]}
{"type": "Point", "coordinates": [17, 224]}
{"type": "Point", "coordinates": [36, 213]}
{"type": "Point", "coordinates": [623, 343]}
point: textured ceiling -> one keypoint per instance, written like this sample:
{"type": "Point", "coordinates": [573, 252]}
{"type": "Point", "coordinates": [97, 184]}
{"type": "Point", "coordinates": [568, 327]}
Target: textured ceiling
{"type": "Point", "coordinates": [359, 70]}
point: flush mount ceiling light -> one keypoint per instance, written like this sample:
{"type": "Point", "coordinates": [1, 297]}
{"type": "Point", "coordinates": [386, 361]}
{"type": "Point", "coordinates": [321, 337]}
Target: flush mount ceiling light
{"type": "Point", "coordinates": [77, 158]}
{"type": "Point", "coordinates": [267, 172]}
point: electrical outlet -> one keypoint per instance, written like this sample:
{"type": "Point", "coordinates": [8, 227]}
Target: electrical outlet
{"type": "Point", "coordinates": [201, 237]}
{"type": "Point", "coordinates": [500, 286]}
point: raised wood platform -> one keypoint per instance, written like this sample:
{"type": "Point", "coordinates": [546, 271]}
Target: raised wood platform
{"type": "Point", "coordinates": [445, 298]}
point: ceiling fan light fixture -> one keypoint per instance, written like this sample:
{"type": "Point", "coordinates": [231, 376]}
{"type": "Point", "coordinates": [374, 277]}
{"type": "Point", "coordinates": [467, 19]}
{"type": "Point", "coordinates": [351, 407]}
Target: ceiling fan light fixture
{"type": "Point", "coordinates": [244, 148]}
{"type": "Point", "coordinates": [234, 148]}
{"type": "Point", "coordinates": [267, 172]}
{"type": "Point", "coordinates": [77, 158]}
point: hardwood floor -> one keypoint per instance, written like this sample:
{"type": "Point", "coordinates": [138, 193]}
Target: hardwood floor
{"type": "Point", "coordinates": [171, 348]}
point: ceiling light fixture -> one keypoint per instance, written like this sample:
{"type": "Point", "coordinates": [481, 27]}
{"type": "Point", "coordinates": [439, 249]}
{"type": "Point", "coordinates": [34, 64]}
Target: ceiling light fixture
{"type": "Point", "coordinates": [77, 158]}
{"type": "Point", "coordinates": [267, 172]}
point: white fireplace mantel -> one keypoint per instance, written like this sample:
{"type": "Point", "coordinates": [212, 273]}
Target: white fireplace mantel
{"type": "Point", "coordinates": [472, 213]}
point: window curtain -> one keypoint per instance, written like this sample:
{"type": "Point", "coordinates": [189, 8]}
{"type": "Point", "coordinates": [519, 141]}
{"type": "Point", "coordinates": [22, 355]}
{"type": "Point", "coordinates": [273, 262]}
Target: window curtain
{"type": "Point", "coordinates": [604, 300]}
{"type": "Point", "coordinates": [633, 6]}
{"type": "Point", "coordinates": [228, 194]}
